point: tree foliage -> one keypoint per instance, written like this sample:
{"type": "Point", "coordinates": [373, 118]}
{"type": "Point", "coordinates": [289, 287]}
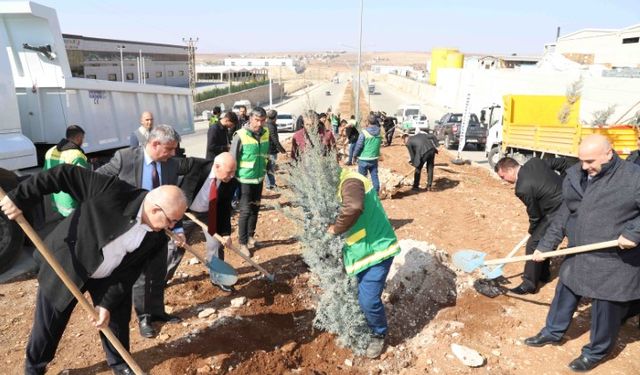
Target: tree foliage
{"type": "Point", "coordinates": [314, 181]}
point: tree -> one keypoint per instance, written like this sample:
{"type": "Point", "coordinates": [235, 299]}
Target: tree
{"type": "Point", "coordinates": [314, 181]}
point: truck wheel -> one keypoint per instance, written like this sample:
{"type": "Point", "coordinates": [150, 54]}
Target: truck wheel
{"type": "Point", "coordinates": [11, 240]}
{"type": "Point", "coordinates": [494, 156]}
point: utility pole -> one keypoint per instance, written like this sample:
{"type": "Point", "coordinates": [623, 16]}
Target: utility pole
{"type": "Point", "coordinates": [191, 56]}
{"type": "Point", "coordinates": [359, 61]}
{"type": "Point", "coordinates": [121, 47]}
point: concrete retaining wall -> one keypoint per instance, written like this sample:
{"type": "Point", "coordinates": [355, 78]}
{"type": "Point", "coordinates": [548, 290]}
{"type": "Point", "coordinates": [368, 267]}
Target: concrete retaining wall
{"type": "Point", "coordinates": [257, 96]}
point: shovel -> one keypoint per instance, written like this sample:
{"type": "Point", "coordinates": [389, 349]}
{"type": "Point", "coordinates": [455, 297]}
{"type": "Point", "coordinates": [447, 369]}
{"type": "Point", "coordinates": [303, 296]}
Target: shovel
{"type": "Point", "coordinates": [204, 226]}
{"type": "Point", "coordinates": [497, 271]}
{"type": "Point", "coordinates": [73, 288]}
{"type": "Point", "coordinates": [220, 272]}
{"type": "Point", "coordinates": [470, 260]}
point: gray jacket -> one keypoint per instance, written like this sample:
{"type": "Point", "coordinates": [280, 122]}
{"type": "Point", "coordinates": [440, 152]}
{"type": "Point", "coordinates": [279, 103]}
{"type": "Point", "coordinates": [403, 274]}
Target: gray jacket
{"type": "Point", "coordinates": [594, 211]}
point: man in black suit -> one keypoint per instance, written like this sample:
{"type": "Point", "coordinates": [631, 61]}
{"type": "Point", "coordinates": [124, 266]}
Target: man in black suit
{"type": "Point", "coordinates": [148, 167]}
{"type": "Point", "coordinates": [103, 246]}
{"type": "Point", "coordinates": [218, 135]}
{"type": "Point", "coordinates": [423, 148]}
{"type": "Point", "coordinates": [209, 187]}
{"type": "Point", "coordinates": [539, 187]}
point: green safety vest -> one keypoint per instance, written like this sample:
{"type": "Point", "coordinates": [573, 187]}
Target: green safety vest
{"type": "Point", "coordinates": [213, 120]}
{"type": "Point", "coordinates": [255, 154]}
{"type": "Point", "coordinates": [371, 150]}
{"type": "Point", "coordinates": [334, 120]}
{"type": "Point", "coordinates": [63, 203]}
{"type": "Point", "coordinates": [371, 240]}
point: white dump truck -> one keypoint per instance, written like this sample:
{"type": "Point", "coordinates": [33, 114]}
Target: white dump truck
{"type": "Point", "coordinates": [39, 97]}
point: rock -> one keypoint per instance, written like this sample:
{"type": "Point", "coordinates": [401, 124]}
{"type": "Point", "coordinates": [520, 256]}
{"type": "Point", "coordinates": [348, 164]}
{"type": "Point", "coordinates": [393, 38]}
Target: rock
{"type": "Point", "coordinates": [239, 301]}
{"type": "Point", "coordinates": [206, 312]}
{"type": "Point", "coordinates": [164, 337]}
{"type": "Point", "coordinates": [194, 261]}
{"type": "Point", "coordinates": [348, 362]}
{"type": "Point", "coordinates": [467, 356]}
{"type": "Point", "coordinates": [496, 353]}
{"type": "Point", "coordinates": [203, 370]}
{"type": "Point", "coordinates": [288, 347]}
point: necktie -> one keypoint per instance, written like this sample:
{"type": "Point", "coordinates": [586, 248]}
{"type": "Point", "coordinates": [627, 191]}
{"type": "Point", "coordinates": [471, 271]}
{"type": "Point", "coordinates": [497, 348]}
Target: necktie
{"type": "Point", "coordinates": [155, 179]}
{"type": "Point", "coordinates": [213, 207]}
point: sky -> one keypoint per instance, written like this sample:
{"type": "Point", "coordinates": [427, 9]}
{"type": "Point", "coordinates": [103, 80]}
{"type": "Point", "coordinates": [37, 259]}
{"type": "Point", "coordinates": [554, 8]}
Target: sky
{"type": "Point", "coordinates": [224, 26]}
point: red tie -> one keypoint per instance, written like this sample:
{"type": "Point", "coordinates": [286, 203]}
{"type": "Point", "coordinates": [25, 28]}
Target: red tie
{"type": "Point", "coordinates": [213, 207]}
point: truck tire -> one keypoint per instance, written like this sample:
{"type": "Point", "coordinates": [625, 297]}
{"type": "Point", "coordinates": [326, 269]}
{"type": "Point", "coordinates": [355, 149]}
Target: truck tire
{"type": "Point", "coordinates": [11, 240]}
{"type": "Point", "coordinates": [11, 236]}
{"type": "Point", "coordinates": [494, 156]}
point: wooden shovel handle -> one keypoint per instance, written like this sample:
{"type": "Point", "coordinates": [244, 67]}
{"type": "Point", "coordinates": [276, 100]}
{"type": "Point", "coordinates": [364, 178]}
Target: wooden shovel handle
{"type": "Point", "coordinates": [219, 238]}
{"type": "Point", "coordinates": [186, 246]}
{"type": "Point", "coordinates": [550, 254]}
{"type": "Point", "coordinates": [73, 288]}
{"type": "Point", "coordinates": [517, 247]}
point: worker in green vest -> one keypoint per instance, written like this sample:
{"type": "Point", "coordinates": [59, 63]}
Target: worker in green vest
{"type": "Point", "coordinates": [370, 245]}
{"type": "Point", "coordinates": [367, 150]}
{"type": "Point", "coordinates": [67, 151]}
{"type": "Point", "coordinates": [215, 116]}
{"type": "Point", "coordinates": [250, 146]}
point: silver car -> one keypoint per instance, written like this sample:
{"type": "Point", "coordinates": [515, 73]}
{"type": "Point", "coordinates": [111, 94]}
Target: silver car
{"type": "Point", "coordinates": [285, 122]}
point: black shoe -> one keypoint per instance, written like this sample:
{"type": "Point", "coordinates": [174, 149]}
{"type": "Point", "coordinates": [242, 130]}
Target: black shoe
{"type": "Point", "coordinates": [583, 364]}
{"type": "Point", "coordinates": [146, 329]}
{"type": "Point", "coordinates": [523, 289]}
{"type": "Point", "coordinates": [224, 288]}
{"type": "Point", "coordinates": [415, 188]}
{"type": "Point", "coordinates": [124, 370]}
{"type": "Point", "coordinates": [164, 317]}
{"type": "Point", "coordinates": [540, 340]}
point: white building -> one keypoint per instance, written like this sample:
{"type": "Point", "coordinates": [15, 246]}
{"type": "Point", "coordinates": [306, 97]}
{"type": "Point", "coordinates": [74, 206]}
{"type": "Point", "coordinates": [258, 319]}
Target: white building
{"type": "Point", "coordinates": [260, 62]}
{"type": "Point", "coordinates": [224, 73]}
{"type": "Point", "coordinates": [613, 48]}
{"type": "Point", "coordinates": [398, 70]}
{"type": "Point", "coordinates": [98, 58]}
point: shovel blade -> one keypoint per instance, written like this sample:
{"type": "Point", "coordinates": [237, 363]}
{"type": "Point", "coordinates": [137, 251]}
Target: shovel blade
{"type": "Point", "coordinates": [221, 272]}
{"type": "Point", "coordinates": [492, 273]}
{"type": "Point", "coordinates": [468, 260]}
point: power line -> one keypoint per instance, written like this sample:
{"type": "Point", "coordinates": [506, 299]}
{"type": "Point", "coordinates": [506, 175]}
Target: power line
{"type": "Point", "coordinates": [191, 56]}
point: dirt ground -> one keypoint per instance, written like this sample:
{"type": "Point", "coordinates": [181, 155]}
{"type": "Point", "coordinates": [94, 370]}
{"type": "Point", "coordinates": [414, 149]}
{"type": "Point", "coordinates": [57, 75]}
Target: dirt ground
{"type": "Point", "coordinates": [272, 333]}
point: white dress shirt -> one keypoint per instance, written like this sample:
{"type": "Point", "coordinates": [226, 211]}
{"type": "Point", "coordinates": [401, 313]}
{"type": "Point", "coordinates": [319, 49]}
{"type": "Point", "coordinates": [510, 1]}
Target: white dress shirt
{"type": "Point", "coordinates": [115, 251]}
{"type": "Point", "coordinates": [201, 201]}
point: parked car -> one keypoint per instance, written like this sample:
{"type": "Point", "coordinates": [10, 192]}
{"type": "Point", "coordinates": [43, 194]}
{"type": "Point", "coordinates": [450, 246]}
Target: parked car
{"type": "Point", "coordinates": [285, 122]}
{"type": "Point", "coordinates": [237, 104]}
{"type": "Point", "coordinates": [407, 111]}
{"type": "Point", "coordinates": [327, 93]}
{"type": "Point", "coordinates": [447, 130]}
{"type": "Point", "coordinates": [414, 122]}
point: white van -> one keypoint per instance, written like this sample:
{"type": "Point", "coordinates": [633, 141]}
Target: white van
{"type": "Point", "coordinates": [239, 103]}
{"type": "Point", "coordinates": [407, 112]}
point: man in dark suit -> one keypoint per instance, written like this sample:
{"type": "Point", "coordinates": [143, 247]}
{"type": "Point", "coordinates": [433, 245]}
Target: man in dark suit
{"type": "Point", "coordinates": [218, 135]}
{"type": "Point", "coordinates": [102, 246]}
{"type": "Point", "coordinates": [601, 203]}
{"type": "Point", "coordinates": [423, 148]}
{"type": "Point", "coordinates": [209, 187]}
{"type": "Point", "coordinates": [540, 189]}
{"type": "Point", "coordinates": [148, 167]}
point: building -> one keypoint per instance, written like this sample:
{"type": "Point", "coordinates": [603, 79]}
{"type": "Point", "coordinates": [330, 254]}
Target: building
{"type": "Point", "coordinates": [153, 63]}
{"type": "Point", "coordinates": [224, 73]}
{"type": "Point", "coordinates": [500, 61]}
{"type": "Point", "coordinates": [260, 62]}
{"type": "Point", "coordinates": [610, 47]}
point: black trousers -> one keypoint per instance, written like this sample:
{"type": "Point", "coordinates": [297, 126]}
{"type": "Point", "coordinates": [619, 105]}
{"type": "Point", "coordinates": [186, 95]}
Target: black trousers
{"type": "Point", "coordinates": [429, 161]}
{"type": "Point", "coordinates": [250, 196]}
{"type": "Point", "coordinates": [49, 325]}
{"type": "Point", "coordinates": [534, 272]}
{"type": "Point", "coordinates": [148, 290]}
{"type": "Point", "coordinates": [388, 135]}
{"type": "Point", "coordinates": [606, 318]}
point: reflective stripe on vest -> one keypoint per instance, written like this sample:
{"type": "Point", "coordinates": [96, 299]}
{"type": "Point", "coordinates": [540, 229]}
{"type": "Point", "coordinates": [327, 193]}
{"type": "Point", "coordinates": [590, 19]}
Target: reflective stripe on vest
{"type": "Point", "coordinates": [253, 160]}
{"type": "Point", "coordinates": [371, 149]}
{"type": "Point", "coordinates": [371, 240]}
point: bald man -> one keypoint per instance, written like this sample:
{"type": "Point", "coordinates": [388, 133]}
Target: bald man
{"type": "Point", "coordinates": [601, 203]}
{"type": "Point", "coordinates": [210, 199]}
{"type": "Point", "coordinates": [140, 136]}
{"type": "Point", "coordinates": [102, 246]}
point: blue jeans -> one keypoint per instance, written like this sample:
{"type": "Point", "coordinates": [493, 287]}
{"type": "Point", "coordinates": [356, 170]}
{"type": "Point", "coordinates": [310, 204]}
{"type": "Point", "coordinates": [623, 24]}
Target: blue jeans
{"type": "Point", "coordinates": [371, 166]}
{"type": "Point", "coordinates": [271, 170]}
{"type": "Point", "coordinates": [352, 146]}
{"type": "Point", "coordinates": [370, 285]}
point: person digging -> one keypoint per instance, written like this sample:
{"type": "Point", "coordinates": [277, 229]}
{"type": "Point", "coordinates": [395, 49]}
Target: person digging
{"type": "Point", "coordinates": [370, 245]}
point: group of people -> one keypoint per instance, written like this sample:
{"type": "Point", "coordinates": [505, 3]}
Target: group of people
{"type": "Point", "coordinates": [595, 200]}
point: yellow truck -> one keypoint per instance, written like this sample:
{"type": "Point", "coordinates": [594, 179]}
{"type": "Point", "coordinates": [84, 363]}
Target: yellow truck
{"type": "Point", "coordinates": [529, 126]}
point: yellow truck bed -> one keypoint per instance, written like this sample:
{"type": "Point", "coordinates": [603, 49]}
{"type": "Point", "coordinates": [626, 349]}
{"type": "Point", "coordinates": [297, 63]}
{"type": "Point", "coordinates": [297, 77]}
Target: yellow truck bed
{"type": "Point", "coordinates": [531, 123]}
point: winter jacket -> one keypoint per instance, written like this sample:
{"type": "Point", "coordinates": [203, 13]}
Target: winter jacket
{"type": "Point", "coordinates": [274, 142]}
{"type": "Point", "coordinates": [373, 130]}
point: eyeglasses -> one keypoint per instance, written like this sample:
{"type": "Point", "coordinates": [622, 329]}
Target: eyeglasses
{"type": "Point", "coordinates": [171, 221]}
